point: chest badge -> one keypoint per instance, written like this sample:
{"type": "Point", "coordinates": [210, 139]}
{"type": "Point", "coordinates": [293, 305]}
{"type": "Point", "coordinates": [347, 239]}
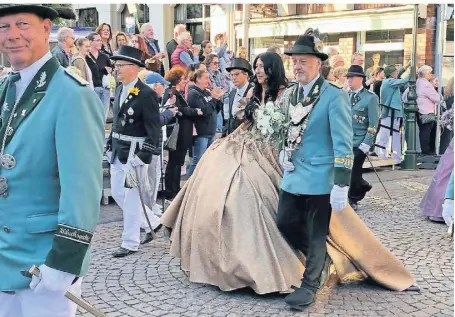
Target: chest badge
{"type": "Point", "coordinates": [130, 111]}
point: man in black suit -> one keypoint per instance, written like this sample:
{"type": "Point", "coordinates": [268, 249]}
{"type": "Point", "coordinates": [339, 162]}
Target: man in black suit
{"type": "Point", "coordinates": [240, 71]}
{"type": "Point", "coordinates": [135, 135]}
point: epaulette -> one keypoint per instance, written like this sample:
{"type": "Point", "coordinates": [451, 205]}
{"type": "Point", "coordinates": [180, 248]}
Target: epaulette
{"type": "Point", "coordinates": [370, 92]}
{"type": "Point", "coordinates": [78, 79]}
{"type": "Point", "coordinates": [334, 85]}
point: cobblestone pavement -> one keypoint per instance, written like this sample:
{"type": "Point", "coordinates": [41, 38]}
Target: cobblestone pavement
{"type": "Point", "coordinates": [150, 283]}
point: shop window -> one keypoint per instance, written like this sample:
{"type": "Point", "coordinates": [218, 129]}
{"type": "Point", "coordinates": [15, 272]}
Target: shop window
{"type": "Point", "coordinates": [87, 17]}
{"type": "Point", "coordinates": [194, 11]}
{"type": "Point", "coordinates": [390, 36]}
{"type": "Point", "coordinates": [142, 13]}
{"type": "Point", "coordinates": [196, 31]}
{"type": "Point", "coordinates": [449, 32]}
{"type": "Point", "coordinates": [387, 58]}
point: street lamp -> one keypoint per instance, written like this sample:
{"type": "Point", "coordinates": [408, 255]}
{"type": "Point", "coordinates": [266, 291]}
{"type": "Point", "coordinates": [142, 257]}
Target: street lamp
{"type": "Point", "coordinates": [410, 107]}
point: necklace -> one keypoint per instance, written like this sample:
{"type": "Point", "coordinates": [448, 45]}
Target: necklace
{"type": "Point", "coordinates": [7, 161]}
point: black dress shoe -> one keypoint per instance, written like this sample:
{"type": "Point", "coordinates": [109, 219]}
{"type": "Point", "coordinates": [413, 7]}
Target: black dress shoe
{"type": "Point", "coordinates": [122, 252]}
{"type": "Point", "coordinates": [301, 298]}
{"type": "Point", "coordinates": [325, 274]}
{"type": "Point", "coordinates": [148, 238]}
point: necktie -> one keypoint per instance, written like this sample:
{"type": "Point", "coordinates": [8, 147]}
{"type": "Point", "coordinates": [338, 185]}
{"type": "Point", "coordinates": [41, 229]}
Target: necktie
{"type": "Point", "coordinates": [301, 94]}
{"type": "Point", "coordinates": [10, 95]}
{"type": "Point", "coordinates": [352, 97]}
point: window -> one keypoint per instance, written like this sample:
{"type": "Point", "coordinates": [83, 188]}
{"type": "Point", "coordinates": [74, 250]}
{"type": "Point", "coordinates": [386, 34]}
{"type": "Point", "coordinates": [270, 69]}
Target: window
{"type": "Point", "coordinates": [196, 17]}
{"type": "Point", "coordinates": [196, 32]}
{"type": "Point", "coordinates": [449, 32]}
{"type": "Point", "coordinates": [391, 36]}
{"type": "Point", "coordinates": [88, 18]}
{"type": "Point", "coordinates": [143, 13]}
{"type": "Point", "coordinates": [194, 11]}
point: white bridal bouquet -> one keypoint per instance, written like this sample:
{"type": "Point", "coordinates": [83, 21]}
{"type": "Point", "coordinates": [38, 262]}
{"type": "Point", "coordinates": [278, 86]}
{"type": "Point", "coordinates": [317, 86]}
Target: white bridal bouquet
{"type": "Point", "coordinates": [269, 121]}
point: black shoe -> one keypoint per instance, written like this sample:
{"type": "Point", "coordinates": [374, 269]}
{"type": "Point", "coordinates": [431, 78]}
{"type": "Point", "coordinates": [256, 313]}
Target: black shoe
{"type": "Point", "coordinates": [301, 298]}
{"type": "Point", "coordinates": [325, 274]}
{"type": "Point", "coordinates": [148, 238]}
{"type": "Point", "coordinates": [122, 252]}
{"type": "Point", "coordinates": [367, 187]}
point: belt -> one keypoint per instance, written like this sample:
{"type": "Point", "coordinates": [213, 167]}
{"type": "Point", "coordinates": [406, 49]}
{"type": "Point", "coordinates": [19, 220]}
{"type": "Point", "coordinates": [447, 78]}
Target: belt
{"type": "Point", "coordinates": [128, 138]}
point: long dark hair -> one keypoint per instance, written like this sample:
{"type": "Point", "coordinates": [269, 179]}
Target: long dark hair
{"type": "Point", "coordinates": [276, 76]}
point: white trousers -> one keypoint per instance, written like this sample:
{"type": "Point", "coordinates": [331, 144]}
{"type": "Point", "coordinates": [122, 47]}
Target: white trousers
{"type": "Point", "coordinates": [129, 201]}
{"type": "Point", "coordinates": [26, 303]}
{"type": "Point", "coordinates": [383, 139]}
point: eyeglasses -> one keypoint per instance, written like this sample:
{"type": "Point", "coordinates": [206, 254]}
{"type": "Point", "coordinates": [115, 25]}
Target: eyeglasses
{"type": "Point", "coordinates": [96, 40]}
{"type": "Point", "coordinates": [118, 66]}
{"type": "Point", "coordinates": [216, 63]}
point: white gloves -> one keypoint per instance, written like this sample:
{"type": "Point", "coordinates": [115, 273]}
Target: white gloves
{"type": "Point", "coordinates": [51, 280]}
{"type": "Point", "coordinates": [447, 210]}
{"type": "Point", "coordinates": [109, 155]}
{"type": "Point", "coordinates": [339, 197]}
{"type": "Point", "coordinates": [365, 148]}
{"type": "Point", "coordinates": [285, 163]}
{"type": "Point", "coordinates": [136, 161]}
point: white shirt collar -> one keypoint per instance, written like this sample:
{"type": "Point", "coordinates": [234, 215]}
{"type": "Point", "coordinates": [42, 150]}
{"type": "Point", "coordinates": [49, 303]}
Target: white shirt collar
{"type": "Point", "coordinates": [357, 90]}
{"type": "Point", "coordinates": [130, 85]}
{"type": "Point", "coordinates": [307, 87]}
{"type": "Point", "coordinates": [29, 72]}
{"type": "Point", "coordinates": [241, 90]}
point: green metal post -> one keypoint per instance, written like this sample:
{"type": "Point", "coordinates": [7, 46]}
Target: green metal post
{"type": "Point", "coordinates": [410, 108]}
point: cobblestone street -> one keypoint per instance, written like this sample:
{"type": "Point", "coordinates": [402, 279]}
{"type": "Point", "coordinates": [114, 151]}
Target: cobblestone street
{"type": "Point", "coordinates": [150, 282]}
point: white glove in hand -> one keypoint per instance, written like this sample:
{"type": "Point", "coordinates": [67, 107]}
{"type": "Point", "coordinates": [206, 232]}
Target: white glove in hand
{"type": "Point", "coordinates": [365, 148]}
{"type": "Point", "coordinates": [447, 210]}
{"type": "Point", "coordinates": [339, 197]}
{"type": "Point", "coordinates": [136, 161]}
{"type": "Point", "coordinates": [51, 280]}
{"type": "Point", "coordinates": [285, 163]}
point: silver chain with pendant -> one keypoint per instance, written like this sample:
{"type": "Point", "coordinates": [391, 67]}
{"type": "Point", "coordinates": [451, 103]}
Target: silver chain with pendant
{"type": "Point", "coordinates": [7, 161]}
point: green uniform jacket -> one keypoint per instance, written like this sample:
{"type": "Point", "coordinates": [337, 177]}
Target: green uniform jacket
{"type": "Point", "coordinates": [365, 117]}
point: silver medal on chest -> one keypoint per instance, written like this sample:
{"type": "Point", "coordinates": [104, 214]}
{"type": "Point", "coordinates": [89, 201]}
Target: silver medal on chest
{"type": "Point", "coordinates": [3, 185]}
{"type": "Point", "coordinates": [8, 161]}
{"type": "Point", "coordinates": [130, 111]}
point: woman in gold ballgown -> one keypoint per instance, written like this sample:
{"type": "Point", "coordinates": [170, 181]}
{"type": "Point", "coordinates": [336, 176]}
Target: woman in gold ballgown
{"type": "Point", "coordinates": [223, 219]}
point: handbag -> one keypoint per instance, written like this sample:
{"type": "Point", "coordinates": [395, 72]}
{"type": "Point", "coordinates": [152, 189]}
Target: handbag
{"type": "Point", "coordinates": [171, 142]}
{"type": "Point", "coordinates": [427, 118]}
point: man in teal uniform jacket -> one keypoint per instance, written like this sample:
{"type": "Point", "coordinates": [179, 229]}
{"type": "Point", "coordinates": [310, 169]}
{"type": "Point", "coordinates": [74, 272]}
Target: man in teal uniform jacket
{"type": "Point", "coordinates": [392, 114]}
{"type": "Point", "coordinates": [317, 160]}
{"type": "Point", "coordinates": [365, 120]}
{"type": "Point", "coordinates": [51, 134]}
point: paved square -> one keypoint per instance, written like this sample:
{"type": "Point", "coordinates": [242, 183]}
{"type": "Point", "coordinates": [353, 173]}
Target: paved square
{"type": "Point", "coordinates": [150, 283]}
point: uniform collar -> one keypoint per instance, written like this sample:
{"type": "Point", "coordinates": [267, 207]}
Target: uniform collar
{"type": "Point", "coordinates": [29, 72]}
{"type": "Point", "coordinates": [307, 87]}
{"type": "Point", "coordinates": [130, 85]}
{"type": "Point", "coordinates": [357, 90]}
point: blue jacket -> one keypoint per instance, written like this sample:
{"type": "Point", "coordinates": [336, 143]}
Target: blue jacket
{"type": "Point", "coordinates": [54, 192]}
{"type": "Point", "coordinates": [391, 97]}
{"type": "Point", "coordinates": [325, 156]}
{"type": "Point", "coordinates": [365, 117]}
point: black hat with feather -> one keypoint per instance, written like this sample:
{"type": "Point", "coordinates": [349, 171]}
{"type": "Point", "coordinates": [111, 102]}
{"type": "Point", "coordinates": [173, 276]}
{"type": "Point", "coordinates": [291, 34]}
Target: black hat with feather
{"type": "Point", "coordinates": [43, 11]}
{"type": "Point", "coordinates": [309, 43]}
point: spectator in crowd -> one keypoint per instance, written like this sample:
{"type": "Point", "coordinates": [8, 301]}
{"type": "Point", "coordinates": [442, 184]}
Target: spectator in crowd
{"type": "Point", "coordinates": [152, 45]}
{"type": "Point", "coordinates": [209, 102]}
{"type": "Point", "coordinates": [221, 49]}
{"type": "Point", "coordinates": [336, 61]}
{"type": "Point", "coordinates": [206, 49]}
{"type": "Point", "coordinates": [357, 59]}
{"type": "Point", "coordinates": [120, 39]}
{"type": "Point", "coordinates": [138, 42]}
{"type": "Point", "coordinates": [167, 113]}
{"type": "Point", "coordinates": [177, 77]}
{"type": "Point", "coordinates": [100, 67]}
{"type": "Point", "coordinates": [379, 77]}
{"type": "Point", "coordinates": [191, 83]}
{"type": "Point", "coordinates": [61, 51]}
{"type": "Point", "coordinates": [79, 60]}
{"type": "Point", "coordinates": [242, 53]}
{"type": "Point", "coordinates": [327, 73]}
{"type": "Point", "coordinates": [447, 131]}
{"type": "Point", "coordinates": [172, 44]}
{"type": "Point", "coordinates": [331, 51]}
{"type": "Point", "coordinates": [434, 80]}
{"type": "Point", "coordinates": [217, 79]}
{"type": "Point", "coordinates": [105, 32]}
{"type": "Point", "coordinates": [339, 73]}
{"type": "Point", "coordinates": [427, 99]}
{"type": "Point", "coordinates": [274, 49]}
{"type": "Point", "coordinates": [183, 55]}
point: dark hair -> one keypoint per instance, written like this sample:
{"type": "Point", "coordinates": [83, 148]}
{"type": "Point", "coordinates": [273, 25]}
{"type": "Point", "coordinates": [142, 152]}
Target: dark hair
{"type": "Point", "coordinates": [91, 36]}
{"type": "Point", "coordinates": [175, 74]}
{"type": "Point", "coordinates": [325, 70]}
{"type": "Point", "coordinates": [100, 27]}
{"type": "Point", "coordinates": [276, 76]}
{"type": "Point", "coordinates": [197, 74]}
{"type": "Point", "coordinates": [203, 45]}
{"type": "Point", "coordinates": [209, 59]}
